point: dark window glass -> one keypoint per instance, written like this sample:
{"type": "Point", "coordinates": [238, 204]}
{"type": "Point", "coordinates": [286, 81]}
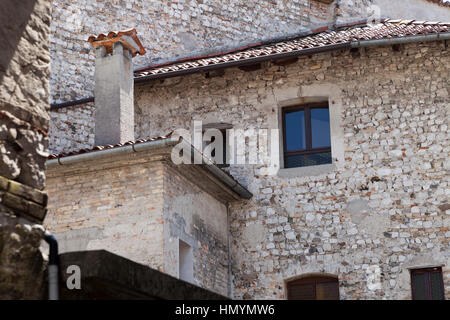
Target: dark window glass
{"type": "Point", "coordinates": [306, 135]}
{"type": "Point", "coordinates": [222, 127]}
{"type": "Point", "coordinates": [320, 128]}
{"type": "Point", "coordinates": [427, 284]}
{"type": "Point", "coordinates": [295, 130]}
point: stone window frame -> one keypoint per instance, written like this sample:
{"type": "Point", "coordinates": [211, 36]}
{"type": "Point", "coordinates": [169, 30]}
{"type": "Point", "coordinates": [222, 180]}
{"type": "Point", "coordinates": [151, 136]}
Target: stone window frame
{"type": "Point", "coordinates": [291, 96]}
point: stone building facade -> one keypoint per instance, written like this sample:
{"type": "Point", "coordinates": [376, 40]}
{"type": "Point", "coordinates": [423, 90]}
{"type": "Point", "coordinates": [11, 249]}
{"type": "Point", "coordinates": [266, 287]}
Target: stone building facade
{"type": "Point", "coordinates": [176, 29]}
{"type": "Point", "coordinates": [383, 204]}
{"type": "Point", "coordinates": [24, 122]}
{"type": "Point", "coordinates": [378, 210]}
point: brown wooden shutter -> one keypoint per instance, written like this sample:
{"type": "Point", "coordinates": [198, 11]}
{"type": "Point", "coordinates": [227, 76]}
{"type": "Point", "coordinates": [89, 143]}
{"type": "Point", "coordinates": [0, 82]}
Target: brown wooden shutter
{"type": "Point", "coordinates": [427, 284]}
{"type": "Point", "coordinates": [314, 288]}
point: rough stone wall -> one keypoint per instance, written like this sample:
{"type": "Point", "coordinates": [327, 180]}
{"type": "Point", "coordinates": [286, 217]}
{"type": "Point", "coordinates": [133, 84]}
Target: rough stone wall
{"type": "Point", "coordinates": [199, 220]}
{"type": "Point", "coordinates": [385, 206]}
{"type": "Point", "coordinates": [416, 9]}
{"type": "Point", "coordinates": [72, 128]}
{"type": "Point", "coordinates": [110, 205]}
{"type": "Point", "coordinates": [24, 102]}
{"type": "Point", "coordinates": [22, 267]}
{"type": "Point", "coordinates": [173, 29]}
{"type": "Point", "coordinates": [24, 90]}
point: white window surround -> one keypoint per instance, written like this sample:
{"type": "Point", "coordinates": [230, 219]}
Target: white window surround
{"type": "Point", "coordinates": [292, 96]}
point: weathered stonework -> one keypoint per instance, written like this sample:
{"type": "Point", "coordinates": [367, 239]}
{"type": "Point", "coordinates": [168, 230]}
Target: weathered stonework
{"type": "Point", "coordinates": [384, 205]}
{"type": "Point", "coordinates": [24, 103]}
{"type": "Point", "coordinates": [24, 91]}
{"type": "Point", "coordinates": [22, 267]}
{"type": "Point", "coordinates": [170, 30]}
{"type": "Point", "coordinates": [72, 128]}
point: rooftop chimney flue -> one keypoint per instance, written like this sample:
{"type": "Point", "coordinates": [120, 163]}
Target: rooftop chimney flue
{"type": "Point", "coordinates": [114, 85]}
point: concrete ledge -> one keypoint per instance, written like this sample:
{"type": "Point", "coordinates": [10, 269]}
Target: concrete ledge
{"type": "Point", "coordinates": [105, 275]}
{"type": "Point", "coordinates": [306, 171]}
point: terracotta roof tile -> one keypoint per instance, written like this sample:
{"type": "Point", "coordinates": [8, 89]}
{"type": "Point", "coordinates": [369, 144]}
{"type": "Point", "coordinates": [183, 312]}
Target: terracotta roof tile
{"type": "Point", "coordinates": [127, 37]}
{"type": "Point", "coordinates": [342, 34]}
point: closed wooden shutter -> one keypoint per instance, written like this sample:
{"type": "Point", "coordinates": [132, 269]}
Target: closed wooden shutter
{"type": "Point", "coordinates": [427, 284]}
{"type": "Point", "coordinates": [314, 288]}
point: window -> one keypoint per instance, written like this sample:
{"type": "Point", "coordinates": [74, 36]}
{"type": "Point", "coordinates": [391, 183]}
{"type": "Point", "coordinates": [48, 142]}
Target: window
{"type": "Point", "coordinates": [306, 135]}
{"type": "Point", "coordinates": [222, 127]}
{"type": "Point", "coordinates": [427, 284]}
{"type": "Point", "coordinates": [314, 288]}
{"type": "Point", "coordinates": [186, 263]}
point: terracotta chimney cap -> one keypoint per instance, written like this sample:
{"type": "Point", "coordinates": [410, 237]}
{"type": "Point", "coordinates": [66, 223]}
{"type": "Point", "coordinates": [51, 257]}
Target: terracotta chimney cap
{"type": "Point", "coordinates": [128, 38]}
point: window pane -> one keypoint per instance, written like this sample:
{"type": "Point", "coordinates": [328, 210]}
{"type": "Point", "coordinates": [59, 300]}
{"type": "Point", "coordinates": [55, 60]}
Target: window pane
{"type": "Point", "coordinates": [320, 127]}
{"type": "Point", "coordinates": [419, 286]}
{"type": "Point", "coordinates": [295, 130]}
{"type": "Point", "coordinates": [437, 291]}
{"type": "Point", "coordinates": [303, 160]}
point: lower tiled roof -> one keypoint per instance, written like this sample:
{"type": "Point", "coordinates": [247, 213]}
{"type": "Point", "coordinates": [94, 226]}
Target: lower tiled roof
{"type": "Point", "coordinates": [110, 146]}
{"type": "Point", "coordinates": [322, 37]}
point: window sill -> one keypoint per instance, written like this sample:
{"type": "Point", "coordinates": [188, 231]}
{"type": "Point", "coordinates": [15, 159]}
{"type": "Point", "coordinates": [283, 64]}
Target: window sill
{"type": "Point", "coordinates": [306, 171]}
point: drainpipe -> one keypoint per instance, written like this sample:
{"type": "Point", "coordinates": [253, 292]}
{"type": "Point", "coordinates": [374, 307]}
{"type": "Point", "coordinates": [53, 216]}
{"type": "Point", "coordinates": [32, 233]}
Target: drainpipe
{"type": "Point", "coordinates": [230, 275]}
{"type": "Point", "coordinates": [52, 267]}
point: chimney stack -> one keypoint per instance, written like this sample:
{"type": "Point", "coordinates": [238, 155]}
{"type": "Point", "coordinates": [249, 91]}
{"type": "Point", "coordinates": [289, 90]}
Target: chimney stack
{"type": "Point", "coordinates": [114, 85]}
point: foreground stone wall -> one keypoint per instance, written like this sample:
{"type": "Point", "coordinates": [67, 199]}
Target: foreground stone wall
{"type": "Point", "coordinates": [24, 102]}
{"type": "Point", "coordinates": [171, 30]}
{"type": "Point", "coordinates": [379, 210]}
{"type": "Point", "coordinates": [24, 90]}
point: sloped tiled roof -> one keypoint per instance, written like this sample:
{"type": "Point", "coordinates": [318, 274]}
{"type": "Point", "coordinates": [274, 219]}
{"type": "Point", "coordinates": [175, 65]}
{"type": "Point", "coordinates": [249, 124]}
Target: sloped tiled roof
{"type": "Point", "coordinates": [99, 148]}
{"type": "Point", "coordinates": [340, 36]}
{"type": "Point", "coordinates": [320, 38]}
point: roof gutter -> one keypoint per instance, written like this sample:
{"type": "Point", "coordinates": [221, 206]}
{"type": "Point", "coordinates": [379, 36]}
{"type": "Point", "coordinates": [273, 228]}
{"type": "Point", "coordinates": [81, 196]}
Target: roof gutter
{"type": "Point", "coordinates": [209, 165]}
{"type": "Point", "coordinates": [410, 39]}
{"type": "Point", "coordinates": [108, 153]}
{"type": "Point", "coordinates": [297, 53]}
{"type": "Point", "coordinates": [148, 146]}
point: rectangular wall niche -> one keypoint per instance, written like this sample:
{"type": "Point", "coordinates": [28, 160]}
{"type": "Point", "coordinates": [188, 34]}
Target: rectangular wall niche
{"type": "Point", "coordinates": [186, 262]}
